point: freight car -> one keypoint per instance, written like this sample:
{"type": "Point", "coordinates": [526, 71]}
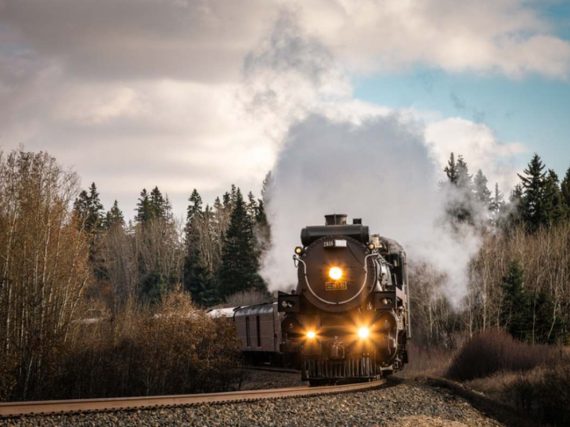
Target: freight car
{"type": "Point", "coordinates": [348, 318]}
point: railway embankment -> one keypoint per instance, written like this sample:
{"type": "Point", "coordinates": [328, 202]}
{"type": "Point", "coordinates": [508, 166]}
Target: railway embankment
{"type": "Point", "coordinates": [404, 403]}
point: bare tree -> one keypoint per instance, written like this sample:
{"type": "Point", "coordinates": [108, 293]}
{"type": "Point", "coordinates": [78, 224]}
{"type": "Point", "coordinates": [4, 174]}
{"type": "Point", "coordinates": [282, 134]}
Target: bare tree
{"type": "Point", "coordinates": [43, 265]}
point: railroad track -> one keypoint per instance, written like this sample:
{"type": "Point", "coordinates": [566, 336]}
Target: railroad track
{"type": "Point", "coordinates": [14, 409]}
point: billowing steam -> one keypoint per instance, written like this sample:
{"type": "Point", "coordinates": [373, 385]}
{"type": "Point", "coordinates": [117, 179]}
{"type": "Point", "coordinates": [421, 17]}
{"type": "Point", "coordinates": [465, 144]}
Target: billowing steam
{"type": "Point", "coordinates": [379, 170]}
{"type": "Point", "coordinates": [340, 155]}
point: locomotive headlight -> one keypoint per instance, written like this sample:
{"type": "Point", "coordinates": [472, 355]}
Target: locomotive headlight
{"type": "Point", "coordinates": [371, 246]}
{"type": "Point", "coordinates": [311, 335]}
{"type": "Point", "coordinates": [298, 250]}
{"type": "Point", "coordinates": [335, 273]}
{"type": "Point", "coordinates": [363, 332]}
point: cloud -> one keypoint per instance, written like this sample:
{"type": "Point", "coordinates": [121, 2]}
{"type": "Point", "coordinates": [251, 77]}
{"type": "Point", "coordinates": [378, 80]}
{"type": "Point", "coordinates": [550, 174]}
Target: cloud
{"type": "Point", "coordinates": [185, 94]}
{"type": "Point", "coordinates": [126, 136]}
{"type": "Point", "coordinates": [478, 145]}
{"type": "Point", "coordinates": [505, 36]}
{"type": "Point", "coordinates": [139, 39]}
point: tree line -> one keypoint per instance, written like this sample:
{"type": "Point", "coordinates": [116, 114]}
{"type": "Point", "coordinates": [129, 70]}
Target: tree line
{"type": "Point", "coordinates": [85, 297]}
{"type": "Point", "coordinates": [214, 254]}
{"type": "Point", "coordinates": [519, 280]}
{"type": "Point", "coordinates": [65, 261]}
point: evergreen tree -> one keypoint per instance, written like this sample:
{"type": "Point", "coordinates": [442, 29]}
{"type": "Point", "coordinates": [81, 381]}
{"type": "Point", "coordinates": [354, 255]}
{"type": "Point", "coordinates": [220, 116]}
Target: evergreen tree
{"type": "Point", "coordinates": [114, 217]}
{"type": "Point", "coordinates": [482, 193]}
{"type": "Point", "coordinates": [89, 211]}
{"type": "Point", "coordinates": [460, 195]}
{"type": "Point", "coordinates": [546, 329]}
{"type": "Point", "coordinates": [263, 225]}
{"type": "Point", "coordinates": [497, 206]}
{"type": "Point", "coordinates": [159, 205]}
{"type": "Point", "coordinates": [514, 217]}
{"type": "Point", "coordinates": [144, 209]}
{"type": "Point", "coordinates": [252, 206]}
{"type": "Point", "coordinates": [565, 191]}
{"type": "Point", "coordinates": [262, 229]}
{"type": "Point", "coordinates": [195, 205]}
{"type": "Point", "coordinates": [533, 209]}
{"type": "Point", "coordinates": [464, 179]}
{"type": "Point", "coordinates": [553, 202]}
{"type": "Point", "coordinates": [516, 315]}
{"type": "Point", "coordinates": [451, 169]}
{"type": "Point", "coordinates": [238, 269]}
{"type": "Point", "coordinates": [198, 274]}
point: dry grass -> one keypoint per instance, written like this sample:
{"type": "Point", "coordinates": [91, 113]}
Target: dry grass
{"type": "Point", "coordinates": [532, 378]}
{"type": "Point", "coordinates": [495, 351]}
{"type": "Point", "coordinates": [543, 392]}
{"type": "Point", "coordinates": [426, 361]}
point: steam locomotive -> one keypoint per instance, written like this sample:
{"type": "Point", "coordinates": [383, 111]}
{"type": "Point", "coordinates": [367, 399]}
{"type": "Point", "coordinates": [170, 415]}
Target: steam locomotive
{"type": "Point", "coordinates": [348, 318]}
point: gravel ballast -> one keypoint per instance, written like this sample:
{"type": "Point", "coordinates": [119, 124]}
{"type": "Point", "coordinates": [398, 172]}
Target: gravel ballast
{"type": "Point", "coordinates": [406, 404]}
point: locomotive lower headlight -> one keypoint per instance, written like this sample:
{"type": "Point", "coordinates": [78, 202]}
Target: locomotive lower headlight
{"type": "Point", "coordinates": [298, 250]}
{"type": "Point", "coordinates": [311, 335]}
{"type": "Point", "coordinates": [363, 332]}
{"type": "Point", "coordinates": [335, 273]}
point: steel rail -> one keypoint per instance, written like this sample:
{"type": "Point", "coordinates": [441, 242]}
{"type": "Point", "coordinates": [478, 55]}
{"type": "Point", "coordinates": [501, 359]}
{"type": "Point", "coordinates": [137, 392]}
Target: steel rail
{"type": "Point", "coordinates": [14, 409]}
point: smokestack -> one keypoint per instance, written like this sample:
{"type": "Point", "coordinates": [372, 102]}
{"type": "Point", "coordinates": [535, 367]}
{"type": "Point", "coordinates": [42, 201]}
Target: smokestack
{"type": "Point", "coordinates": [357, 221]}
{"type": "Point", "coordinates": [335, 219]}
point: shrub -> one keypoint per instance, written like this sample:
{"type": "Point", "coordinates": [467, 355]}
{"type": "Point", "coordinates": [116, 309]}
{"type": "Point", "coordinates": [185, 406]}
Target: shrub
{"type": "Point", "coordinates": [544, 392]}
{"type": "Point", "coordinates": [173, 349]}
{"type": "Point", "coordinates": [426, 360]}
{"type": "Point", "coordinates": [493, 351]}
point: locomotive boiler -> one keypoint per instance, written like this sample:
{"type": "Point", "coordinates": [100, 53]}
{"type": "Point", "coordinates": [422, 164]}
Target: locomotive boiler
{"type": "Point", "coordinates": [348, 318]}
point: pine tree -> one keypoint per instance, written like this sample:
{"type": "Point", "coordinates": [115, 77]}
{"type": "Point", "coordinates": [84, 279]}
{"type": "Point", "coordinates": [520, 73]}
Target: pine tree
{"type": "Point", "coordinates": [195, 205]}
{"type": "Point", "coordinates": [451, 170]}
{"type": "Point", "coordinates": [198, 272]}
{"type": "Point", "coordinates": [545, 329]}
{"type": "Point", "coordinates": [497, 206]}
{"type": "Point", "coordinates": [553, 203]}
{"type": "Point", "coordinates": [252, 206]}
{"type": "Point", "coordinates": [516, 314]}
{"type": "Point", "coordinates": [565, 190]}
{"type": "Point", "coordinates": [514, 217]}
{"type": "Point", "coordinates": [263, 226]}
{"type": "Point", "coordinates": [159, 205]}
{"type": "Point", "coordinates": [482, 193]}
{"type": "Point", "coordinates": [238, 269]}
{"type": "Point", "coordinates": [88, 210]}
{"type": "Point", "coordinates": [114, 217]}
{"type": "Point", "coordinates": [533, 209]}
{"type": "Point", "coordinates": [460, 204]}
{"type": "Point", "coordinates": [464, 179]}
{"type": "Point", "coordinates": [144, 209]}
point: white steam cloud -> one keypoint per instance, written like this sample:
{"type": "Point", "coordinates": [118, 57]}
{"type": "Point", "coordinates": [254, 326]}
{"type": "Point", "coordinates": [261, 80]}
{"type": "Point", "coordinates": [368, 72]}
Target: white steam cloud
{"type": "Point", "coordinates": [340, 155]}
{"type": "Point", "coordinates": [379, 170]}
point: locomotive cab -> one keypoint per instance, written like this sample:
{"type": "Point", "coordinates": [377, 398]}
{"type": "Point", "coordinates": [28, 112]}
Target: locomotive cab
{"type": "Point", "coordinates": [348, 317]}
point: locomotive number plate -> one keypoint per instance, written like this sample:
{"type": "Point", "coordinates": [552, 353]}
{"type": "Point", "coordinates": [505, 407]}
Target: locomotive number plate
{"type": "Point", "coordinates": [336, 286]}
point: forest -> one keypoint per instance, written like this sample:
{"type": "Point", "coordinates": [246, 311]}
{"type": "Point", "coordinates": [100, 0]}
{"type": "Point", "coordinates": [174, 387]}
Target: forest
{"type": "Point", "coordinates": [93, 305]}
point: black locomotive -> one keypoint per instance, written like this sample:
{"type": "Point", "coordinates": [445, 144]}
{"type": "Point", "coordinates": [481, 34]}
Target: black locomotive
{"type": "Point", "coordinates": [348, 318]}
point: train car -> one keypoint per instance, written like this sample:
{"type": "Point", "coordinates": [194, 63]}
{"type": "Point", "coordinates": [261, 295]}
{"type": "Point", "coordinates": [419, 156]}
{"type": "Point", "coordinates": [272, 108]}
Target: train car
{"type": "Point", "coordinates": [258, 327]}
{"type": "Point", "coordinates": [348, 317]}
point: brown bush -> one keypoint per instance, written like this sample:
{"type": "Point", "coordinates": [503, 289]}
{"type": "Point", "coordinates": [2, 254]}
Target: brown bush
{"type": "Point", "coordinates": [545, 392]}
{"type": "Point", "coordinates": [427, 360]}
{"type": "Point", "coordinates": [173, 349]}
{"type": "Point", "coordinates": [494, 351]}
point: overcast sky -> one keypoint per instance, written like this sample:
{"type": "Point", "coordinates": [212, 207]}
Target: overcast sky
{"type": "Point", "coordinates": [200, 94]}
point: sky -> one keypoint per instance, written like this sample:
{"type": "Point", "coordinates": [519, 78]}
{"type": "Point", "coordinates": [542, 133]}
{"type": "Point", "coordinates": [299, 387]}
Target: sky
{"type": "Point", "coordinates": [187, 94]}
